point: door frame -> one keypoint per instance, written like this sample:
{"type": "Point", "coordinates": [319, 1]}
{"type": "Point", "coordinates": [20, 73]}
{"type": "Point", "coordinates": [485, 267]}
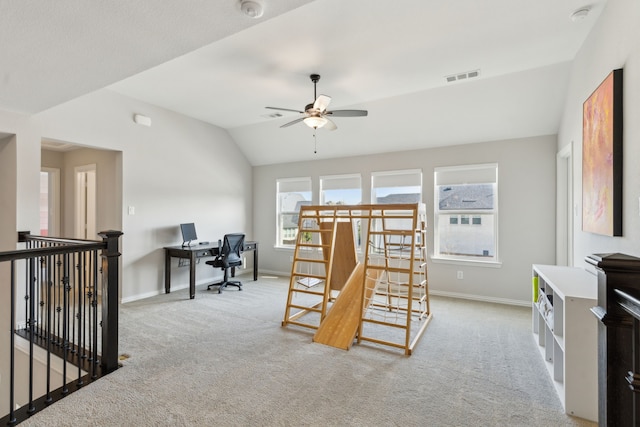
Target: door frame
{"type": "Point", "coordinates": [565, 210]}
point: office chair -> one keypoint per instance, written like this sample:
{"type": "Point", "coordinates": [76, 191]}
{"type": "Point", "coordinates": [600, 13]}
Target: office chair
{"type": "Point", "coordinates": [228, 257]}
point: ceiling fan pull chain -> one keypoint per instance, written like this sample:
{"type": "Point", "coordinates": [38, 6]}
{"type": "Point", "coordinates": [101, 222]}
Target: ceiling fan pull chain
{"type": "Point", "coordinates": [315, 142]}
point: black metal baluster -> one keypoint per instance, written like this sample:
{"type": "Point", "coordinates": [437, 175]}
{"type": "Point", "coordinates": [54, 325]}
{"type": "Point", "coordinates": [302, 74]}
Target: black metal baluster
{"type": "Point", "coordinates": [59, 284]}
{"type": "Point", "coordinates": [39, 316]}
{"type": "Point", "coordinates": [30, 322]}
{"type": "Point", "coordinates": [48, 327]}
{"type": "Point", "coordinates": [65, 323]}
{"type": "Point", "coordinates": [80, 293]}
{"type": "Point", "coordinates": [73, 301]}
{"type": "Point", "coordinates": [12, 350]}
{"type": "Point", "coordinates": [94, 305]}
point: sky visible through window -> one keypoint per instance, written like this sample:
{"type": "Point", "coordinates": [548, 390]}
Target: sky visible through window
{"type": "Point", "coordinates": [352, 196]}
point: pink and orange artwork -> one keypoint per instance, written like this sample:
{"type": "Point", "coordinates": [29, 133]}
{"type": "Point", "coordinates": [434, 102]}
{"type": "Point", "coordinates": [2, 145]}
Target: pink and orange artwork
{"type": "Point", "coordinates": [601, 158]}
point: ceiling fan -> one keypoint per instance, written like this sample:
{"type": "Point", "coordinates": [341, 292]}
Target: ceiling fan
{"type": "Point", "coordinates": [315, 114]}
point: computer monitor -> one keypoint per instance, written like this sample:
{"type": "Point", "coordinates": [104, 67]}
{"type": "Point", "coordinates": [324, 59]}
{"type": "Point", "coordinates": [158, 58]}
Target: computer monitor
{"type": "Point", "coordinates": [188, 233]}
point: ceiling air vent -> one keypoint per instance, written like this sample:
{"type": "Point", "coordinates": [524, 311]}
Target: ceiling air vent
{"type": "Point", "coordinates": [462, 76]}
{"type": "Point", "coordinates": [271, 115]}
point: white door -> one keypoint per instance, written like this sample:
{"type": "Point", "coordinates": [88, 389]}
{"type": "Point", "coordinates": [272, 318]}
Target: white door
{"type": "Point", "coordinates": [86, 202]}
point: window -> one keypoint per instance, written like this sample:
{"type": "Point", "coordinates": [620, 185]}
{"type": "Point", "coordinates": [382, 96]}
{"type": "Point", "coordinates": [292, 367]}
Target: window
{"type": "Point", "coordinates": [466, 213]}
{"type": "Point", "coordinates": [404, 186]}
{"type": "Point", "coordinates": [343, 190]}
{"type": "Point", "coordinates": [340, 190]}
{"type": "Point", "coordinates": [291, 194]}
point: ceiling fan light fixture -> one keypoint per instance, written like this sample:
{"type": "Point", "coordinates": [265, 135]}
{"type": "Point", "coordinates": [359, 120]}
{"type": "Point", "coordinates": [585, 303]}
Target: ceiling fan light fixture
{"type": "Point", "coordinates": [315, 122]}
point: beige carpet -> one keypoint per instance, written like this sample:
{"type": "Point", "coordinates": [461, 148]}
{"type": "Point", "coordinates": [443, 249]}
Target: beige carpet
{"type": "Point", "coordinates": [224, 360]}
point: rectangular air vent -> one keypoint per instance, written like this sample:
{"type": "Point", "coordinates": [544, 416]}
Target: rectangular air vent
{"type": "Point", "coordinates": [272, 115]}
{"type": "Point", "coordinates": [462, 76]}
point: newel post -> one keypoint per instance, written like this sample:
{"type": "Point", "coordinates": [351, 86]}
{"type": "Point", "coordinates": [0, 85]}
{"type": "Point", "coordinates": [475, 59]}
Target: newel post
{"type": "Point", "coordinates": [110, 279]}
{"type": "Point", "coordinates": [616, 347]}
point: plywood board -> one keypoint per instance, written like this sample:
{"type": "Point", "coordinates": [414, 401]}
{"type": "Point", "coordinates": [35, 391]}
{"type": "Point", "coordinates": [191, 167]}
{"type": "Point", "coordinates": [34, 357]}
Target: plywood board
{"type": "Point", "coordinates": [344, 254]}
{"type": "Point", "coordinates": [339, 327]}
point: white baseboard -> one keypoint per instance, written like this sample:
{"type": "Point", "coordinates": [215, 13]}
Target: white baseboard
{"type": "Point", "coordinates": [481, 298]}
{"type": "Point", "coordinates": [273, 273]}
{"type": "Point", "coordinates": [241, 273]}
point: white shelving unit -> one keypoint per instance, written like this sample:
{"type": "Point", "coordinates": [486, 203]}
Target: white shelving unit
{"type": "Point", "coordinates": [566, 333]}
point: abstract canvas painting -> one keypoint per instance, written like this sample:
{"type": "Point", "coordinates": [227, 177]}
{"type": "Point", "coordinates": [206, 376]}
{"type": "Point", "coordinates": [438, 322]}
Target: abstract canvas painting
{"type": "Point", "coordinates": [602, 158]}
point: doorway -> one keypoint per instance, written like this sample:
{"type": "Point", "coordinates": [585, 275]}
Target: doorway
{"type": "Point", "coordinates": [85, 189]}
{"type": "Point", "coordinates": [564, 206]}
{"type": "Point", "coordinates": [49, 202]}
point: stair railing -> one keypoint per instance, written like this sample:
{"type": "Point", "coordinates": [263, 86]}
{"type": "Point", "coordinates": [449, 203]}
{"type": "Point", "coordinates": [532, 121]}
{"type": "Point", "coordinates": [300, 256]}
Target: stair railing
{"type": "Point", "coordinates": [63, 319]}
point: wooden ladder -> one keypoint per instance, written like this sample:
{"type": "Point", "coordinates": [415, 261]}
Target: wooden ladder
{"type": "Point", "coordinates": [311, 274]}
{"type": "Point", "coordinates": [397, 250]}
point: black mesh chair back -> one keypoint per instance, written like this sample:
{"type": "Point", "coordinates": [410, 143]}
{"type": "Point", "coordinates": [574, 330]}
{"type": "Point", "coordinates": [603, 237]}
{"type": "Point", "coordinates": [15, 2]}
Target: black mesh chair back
{"type": "Point", "coordinates": [232, 248]}
{"type": "Point", "coordinates": [229, 257]}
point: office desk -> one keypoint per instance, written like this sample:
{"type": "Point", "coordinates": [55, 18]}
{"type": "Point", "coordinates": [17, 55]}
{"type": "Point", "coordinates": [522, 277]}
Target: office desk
{"type": "Point", "coordinates": [192, 253]}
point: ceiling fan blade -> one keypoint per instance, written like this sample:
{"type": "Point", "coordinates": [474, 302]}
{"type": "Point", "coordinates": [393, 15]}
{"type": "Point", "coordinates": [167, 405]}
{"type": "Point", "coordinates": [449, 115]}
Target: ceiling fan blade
{"type": "Point", "coordinates": [329, 125]}
{"type": "Point", "coordinates": [347, 113]}
{"type": "Point", "coordinates": [285, 109]}
{"type": "Point", "coordinates": [293, 122]}
{"type": "Point", "coordinates": [321, 103]}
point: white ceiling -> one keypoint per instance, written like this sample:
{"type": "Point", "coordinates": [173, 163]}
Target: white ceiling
{"type": "Point", "coordinates": [210, 62]}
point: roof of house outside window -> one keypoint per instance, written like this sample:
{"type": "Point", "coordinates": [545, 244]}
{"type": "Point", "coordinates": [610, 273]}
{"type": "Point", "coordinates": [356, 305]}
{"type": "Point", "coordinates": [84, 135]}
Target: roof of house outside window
{"type": "Point", "coordinates": [399, 198]}
{"type": "Point", "coordinates": [457, 197]}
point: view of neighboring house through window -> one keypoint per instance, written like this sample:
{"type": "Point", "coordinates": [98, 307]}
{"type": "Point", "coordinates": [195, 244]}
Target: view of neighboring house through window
{"type": "Point", "coordinates": [402, 186]}
{"type": "Point", "coordinates": [291, 193]}
{"type": "Point", "coordinates": [466, 213]}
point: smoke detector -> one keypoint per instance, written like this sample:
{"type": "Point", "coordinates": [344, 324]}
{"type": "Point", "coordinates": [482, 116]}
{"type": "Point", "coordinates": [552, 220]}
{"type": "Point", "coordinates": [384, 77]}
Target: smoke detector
{"type": "Point", "coordinates": [251, 8]}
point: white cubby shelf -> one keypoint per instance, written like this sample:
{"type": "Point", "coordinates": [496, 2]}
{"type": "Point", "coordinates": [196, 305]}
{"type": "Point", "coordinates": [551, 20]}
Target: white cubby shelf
{"type": "Point", "coordinates": [566, 333]}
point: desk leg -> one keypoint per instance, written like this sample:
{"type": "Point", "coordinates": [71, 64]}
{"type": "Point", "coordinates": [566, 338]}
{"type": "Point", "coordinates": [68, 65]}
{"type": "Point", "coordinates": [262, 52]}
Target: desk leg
{"type": "Point", "coordinates": [255, 264]}
{"type": "Point", "coordinates": [192, 275]}
{"type": "Point", "coordinates": [167, 272]}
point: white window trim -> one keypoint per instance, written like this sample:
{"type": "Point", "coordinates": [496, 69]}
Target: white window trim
{"type": "Point", "coordinates": [436, 258]}
{"type": "Point", "coordinates": [396, 173]}
{"type": "Point", "coordinates": [278, 241]}
{"type": "Point", "coordinates": [350, 176]}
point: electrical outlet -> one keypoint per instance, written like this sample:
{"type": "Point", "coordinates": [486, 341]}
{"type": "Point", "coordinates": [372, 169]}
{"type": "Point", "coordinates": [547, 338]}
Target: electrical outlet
{"type": "Point", "coordinates": [291, 258]}
{"type": "Point", "coordinates": [132, 210]}
{"type": "Point", "coordinates": [460, 274]}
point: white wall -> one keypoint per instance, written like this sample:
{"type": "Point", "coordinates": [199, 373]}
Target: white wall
{"type": "Point", "coordinates": [8, 238]}
{"type": "Point", "coordinates": [178, 170]}
{"type": "Point", "coordinates": [613, 43]}
{"type": "Point", "coordinates": [526, 201]}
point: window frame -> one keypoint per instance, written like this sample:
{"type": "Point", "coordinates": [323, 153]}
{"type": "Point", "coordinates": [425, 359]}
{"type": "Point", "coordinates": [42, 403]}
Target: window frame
{"type": "Point", "coordinates": [396, 175]}
{"type": "Point", "coordinates": [304, 183]}
{"type": "Point", "coordinates": [337, 178]}
{"type": "Point", "coordinates": [465, 174]}
{"type": "Point", "coordinates": [345, 178]}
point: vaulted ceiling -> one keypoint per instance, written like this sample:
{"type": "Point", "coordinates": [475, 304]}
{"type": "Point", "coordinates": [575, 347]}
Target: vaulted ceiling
{"type": "Point", "coordinates": [207, 60]}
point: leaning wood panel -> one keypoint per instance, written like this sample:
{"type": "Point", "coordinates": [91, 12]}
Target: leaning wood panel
{"type": "Point", "coordinates": [344, 253]}
{"type": "Point", "coordinates": [339, 327]}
